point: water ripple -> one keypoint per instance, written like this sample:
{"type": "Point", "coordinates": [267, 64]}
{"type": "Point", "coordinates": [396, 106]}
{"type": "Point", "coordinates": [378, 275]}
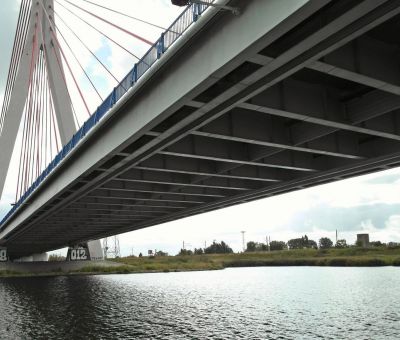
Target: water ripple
{"type": "Point", "coordinates": [240, 303]}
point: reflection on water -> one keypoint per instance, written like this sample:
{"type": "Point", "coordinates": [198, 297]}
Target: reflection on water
{"type": "Point", "coordinates": [242, 303]}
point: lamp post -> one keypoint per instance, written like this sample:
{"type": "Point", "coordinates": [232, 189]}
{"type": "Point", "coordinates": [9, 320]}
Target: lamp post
{"type": "Point", "coordinates": [244, 248]}
{"type": "Point", "coordinates": [181, 3]}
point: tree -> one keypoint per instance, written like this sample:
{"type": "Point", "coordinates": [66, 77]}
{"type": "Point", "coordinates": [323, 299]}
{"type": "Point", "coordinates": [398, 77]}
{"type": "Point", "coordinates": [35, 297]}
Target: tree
{"type": "Point", "coordinates": [377, 244]}
{"type": "Point", "coordinates": [300, 243]}
{"type": "Point", "coordinates": [256, 246]}
{"type": "Point", "coordinates": [295, 243]}
{"type": "Point", "coordinates": [277, 245]}
{"type": "Point", "coordinates": [218, 248]}
{"type": "Point", "coordinates": [251, 246]}
{"type": "Point", "coordinates": [185, 252]}
{"type": "Point", "coordinates": [325, 243]}
{"type": "Point", "coordinates": [359, 243]}
{"type": "Point", "coordinates": [312, 244]}
{"type": "Point", "coordinates": [161, 253]}
{"type": "Point", "coordinates": [341, 244]}
{"type": "Point", "coordinates": [198, 251]}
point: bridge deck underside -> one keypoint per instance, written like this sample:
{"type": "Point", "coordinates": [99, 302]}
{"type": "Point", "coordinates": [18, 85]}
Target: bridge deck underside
{"type": "Point", "coordinates": [280, 120]}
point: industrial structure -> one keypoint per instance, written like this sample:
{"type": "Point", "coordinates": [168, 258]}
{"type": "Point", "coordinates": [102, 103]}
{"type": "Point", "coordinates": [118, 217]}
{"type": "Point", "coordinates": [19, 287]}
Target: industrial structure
{"type": "Point", "coordinates": [363, 240]}
{"type": "Point", "coordinates": [111, 247]}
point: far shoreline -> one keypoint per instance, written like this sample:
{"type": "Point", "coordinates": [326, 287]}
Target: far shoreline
{"type": "Point", "coordinates": [347, 257]}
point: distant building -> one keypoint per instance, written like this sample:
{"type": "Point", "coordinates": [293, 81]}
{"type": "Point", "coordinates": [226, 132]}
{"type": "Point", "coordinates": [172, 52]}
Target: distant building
{"type": "Point", "coordinates": [363, 240]}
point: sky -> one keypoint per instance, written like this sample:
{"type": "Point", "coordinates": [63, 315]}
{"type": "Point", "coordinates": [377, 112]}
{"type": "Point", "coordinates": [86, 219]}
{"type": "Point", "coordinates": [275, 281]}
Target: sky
{"type": "Point", "coordinates": [366, 204]}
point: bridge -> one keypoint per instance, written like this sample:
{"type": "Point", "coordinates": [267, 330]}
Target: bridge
{"type": "Point", "coordinates": [223, 109]}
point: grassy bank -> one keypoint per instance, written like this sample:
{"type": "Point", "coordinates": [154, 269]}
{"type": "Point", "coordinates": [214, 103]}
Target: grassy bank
{"type": "Point", "coordinates": [348, 257]}
{"type": "Point", "coordinates": [301, 257]}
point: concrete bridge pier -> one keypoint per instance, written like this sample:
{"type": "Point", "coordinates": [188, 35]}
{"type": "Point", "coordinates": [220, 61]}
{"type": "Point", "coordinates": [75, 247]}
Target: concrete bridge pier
{"type": "Point", "coordinates": [88, 251]}
{"type": "Point", "coordinates": [40, 257]}
{"type": "Point", "coordinates": [3, 254]}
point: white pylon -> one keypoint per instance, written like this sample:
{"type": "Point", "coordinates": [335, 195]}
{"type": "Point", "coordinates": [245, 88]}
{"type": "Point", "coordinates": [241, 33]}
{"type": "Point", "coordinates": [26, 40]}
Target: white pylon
{"type": "Point", "coordinates": [39, 40]}
{"type": "Point", "coordinates": [41, 33]}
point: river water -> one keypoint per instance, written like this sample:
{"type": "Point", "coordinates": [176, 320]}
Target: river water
{"type": "Point", "coordinates": [240, 303]}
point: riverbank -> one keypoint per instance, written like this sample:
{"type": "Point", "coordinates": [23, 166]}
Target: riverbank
{"type": "Point", "coordinates": [52, 268]}
{"type": "Point", "coordinates": [347, 257]}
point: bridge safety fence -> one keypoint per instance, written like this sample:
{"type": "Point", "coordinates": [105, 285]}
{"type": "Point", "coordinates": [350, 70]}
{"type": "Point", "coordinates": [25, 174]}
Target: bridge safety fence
{"type": "Point", "coordinates": [166, 40]}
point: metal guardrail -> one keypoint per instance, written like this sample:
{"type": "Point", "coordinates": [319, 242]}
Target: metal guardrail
{"type": "Point", "coordinates": [166, 40]}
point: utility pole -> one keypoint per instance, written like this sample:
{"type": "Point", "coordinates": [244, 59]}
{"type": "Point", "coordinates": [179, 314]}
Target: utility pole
{"type": "Point", "coordinates": [244, 248]}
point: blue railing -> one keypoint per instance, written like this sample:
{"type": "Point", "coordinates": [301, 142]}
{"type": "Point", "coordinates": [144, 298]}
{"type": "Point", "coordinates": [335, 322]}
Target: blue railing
{"type": "Point", "coordinates": [167, 38]}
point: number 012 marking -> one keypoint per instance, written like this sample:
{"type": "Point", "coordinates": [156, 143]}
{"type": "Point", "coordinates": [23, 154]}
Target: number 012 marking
{"type": "Point", "coordinates": [78, 254]}
{"type": "Point", "coordinates": [3, 255]}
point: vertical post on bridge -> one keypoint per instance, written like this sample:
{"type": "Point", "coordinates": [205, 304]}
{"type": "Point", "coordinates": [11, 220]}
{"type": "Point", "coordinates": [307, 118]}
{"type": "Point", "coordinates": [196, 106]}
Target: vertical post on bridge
{"type": "Point", "coordinates": [196, 11]}
{"type": "Point", "coordinates": [160, 46]}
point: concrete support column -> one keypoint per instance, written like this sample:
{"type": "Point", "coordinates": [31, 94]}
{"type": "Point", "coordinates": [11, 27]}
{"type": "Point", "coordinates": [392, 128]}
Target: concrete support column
{"type": "Point", "coordinates": [96, 250]}
{"type": "Point", "coordinates": [3, 254]}
{"type": "Point", "coordinates": [90, 251]}
{"type": "Point", "coordinates": [39, 257]}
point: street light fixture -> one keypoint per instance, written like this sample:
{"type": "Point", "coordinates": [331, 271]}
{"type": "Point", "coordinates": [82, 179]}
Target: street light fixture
{"type": "Point", "coordinates": [181, 3]}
